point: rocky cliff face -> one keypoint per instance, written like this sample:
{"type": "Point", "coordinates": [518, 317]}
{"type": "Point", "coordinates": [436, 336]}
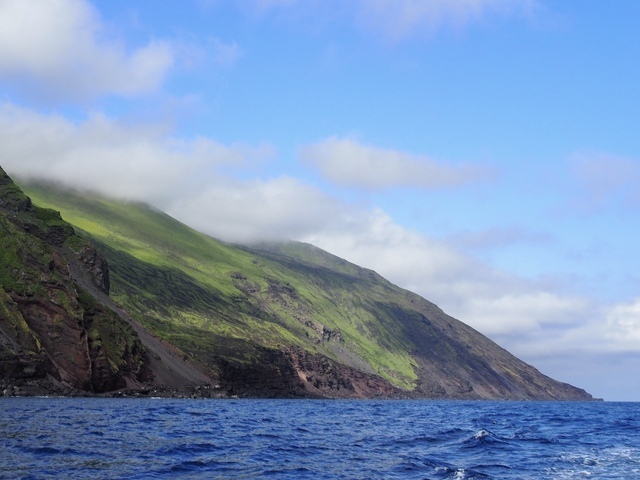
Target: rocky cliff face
{"type": "Point", "coordinates": [295, 372]}
{"type": "Point", "coordinates": [53, 334]}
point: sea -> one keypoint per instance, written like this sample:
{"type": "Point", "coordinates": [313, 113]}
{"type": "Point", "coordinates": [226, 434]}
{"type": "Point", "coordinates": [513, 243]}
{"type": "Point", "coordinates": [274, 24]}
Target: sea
{"type": "Point", "coordinates": [99, 438]}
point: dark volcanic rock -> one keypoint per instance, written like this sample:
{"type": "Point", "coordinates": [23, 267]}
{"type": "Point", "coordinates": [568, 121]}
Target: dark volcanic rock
{"type": "Point", "coordinates": [96, 267]}
{"type": "Point", "coordinates": [51, 331]}
{"type": "Point", "coordinates": [298, 373]}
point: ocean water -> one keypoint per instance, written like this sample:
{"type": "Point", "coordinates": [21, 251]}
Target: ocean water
{"type": "Point", "coordinates": [300, 439]}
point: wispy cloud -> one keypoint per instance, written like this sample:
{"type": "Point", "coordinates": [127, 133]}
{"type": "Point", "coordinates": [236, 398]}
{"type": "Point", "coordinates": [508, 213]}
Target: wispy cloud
{"type": "Point", "coordinates": [498, 237]}
{"type": "Point", "coordinates": [606, 180]}
{"type": "Point", "coordinates": [393, 20]}
{"type": "Point", "coordinates": [349, 162]}
{"type": "Point", "coordinates": [623, 325]}
{"type": "Point", "coordinates": [398, 19]}
{"type": "Point", "coordinates": [225, 54]}
{"type": "Point", "coordinates": [60, 49]}
{"type": "Point", "coordinates": [264, 5]}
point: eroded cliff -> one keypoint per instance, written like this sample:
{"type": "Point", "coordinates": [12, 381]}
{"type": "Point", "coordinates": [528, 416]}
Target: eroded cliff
{"type": "Point", "coordinates": [53, 334]}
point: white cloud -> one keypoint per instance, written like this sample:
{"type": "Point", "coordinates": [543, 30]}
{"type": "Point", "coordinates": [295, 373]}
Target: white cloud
{"type": "Point", "coordinates": [245, 211]}
{"type": "Point", "coordinates": [373, 239]}
{"type": "Point", "coordinates": [623, 325]}
{"type": "Point", "coordinates": [184, 177]}
{"type": "Point", "coordinates": [127, 161]}
{"type": "Point", "coordinates": [57, 49]}
{"type": "Point", "coordinates": [348, 162]}
{"type": "Point", "coordinates": [181, 176]}
{"type": "Point", "coordinates": [578, 326]}
{"type": "Point", "coordinates": [516, 312]}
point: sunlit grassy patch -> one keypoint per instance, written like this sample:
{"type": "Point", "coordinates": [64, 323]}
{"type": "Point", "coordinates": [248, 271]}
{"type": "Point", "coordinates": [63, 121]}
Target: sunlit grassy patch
{"type": "Point", "coordinates": [206, 295]}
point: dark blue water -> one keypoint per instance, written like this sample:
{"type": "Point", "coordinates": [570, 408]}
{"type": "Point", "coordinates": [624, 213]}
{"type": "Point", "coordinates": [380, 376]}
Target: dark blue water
{"type": "Point", "coordinates": [297, 439]}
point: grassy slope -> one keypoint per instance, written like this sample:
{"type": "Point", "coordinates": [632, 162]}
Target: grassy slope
{"type": "Point", "coordinates": [215, 299]}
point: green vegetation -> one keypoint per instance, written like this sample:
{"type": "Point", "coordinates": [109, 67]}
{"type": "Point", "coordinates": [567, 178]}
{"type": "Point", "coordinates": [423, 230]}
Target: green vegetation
{"type": "Point", "coordinates": [15, 326]}
{"type": "Point", "coordinates": [18, 254]}
{"type": "Point", "coordinates": [213, 299]}
{"type": "Point", "coordinates": [106, 332]}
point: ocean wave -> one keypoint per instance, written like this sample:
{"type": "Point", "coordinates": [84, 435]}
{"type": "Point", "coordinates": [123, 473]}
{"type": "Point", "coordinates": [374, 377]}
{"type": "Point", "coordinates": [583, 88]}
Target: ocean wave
{"type": "Point", "coordinates": [124, 438]}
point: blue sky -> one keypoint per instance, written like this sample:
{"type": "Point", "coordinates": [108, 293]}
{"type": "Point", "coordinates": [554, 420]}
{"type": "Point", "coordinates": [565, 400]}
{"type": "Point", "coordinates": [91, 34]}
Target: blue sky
{"type": "Point", "coordinates": [483, 153]}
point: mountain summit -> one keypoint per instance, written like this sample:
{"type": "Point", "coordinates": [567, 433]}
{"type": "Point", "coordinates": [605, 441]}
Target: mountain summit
{"type": "Point", "coordinates": [126, 298]}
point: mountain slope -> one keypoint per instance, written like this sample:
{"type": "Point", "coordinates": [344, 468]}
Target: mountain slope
{"type": "Point", "coordinates": [56, 335]}
{"type": "Point", "coordinates": [49, 329]}
{"type": "Point", "coordinates": [289, 319]}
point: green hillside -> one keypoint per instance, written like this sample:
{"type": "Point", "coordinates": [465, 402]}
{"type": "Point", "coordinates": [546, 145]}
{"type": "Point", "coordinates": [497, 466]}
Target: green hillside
{"type": "Point", "coordinates": [285, 319]}
{"type": "Point", "coordinates": [212, 298]}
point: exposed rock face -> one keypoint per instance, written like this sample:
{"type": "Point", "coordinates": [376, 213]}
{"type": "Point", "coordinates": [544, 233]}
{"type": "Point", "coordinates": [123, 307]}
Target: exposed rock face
{"type": "Point", "coordinates": [96, 267]}
{"type": "Point", "coordinates": [52, 333]}
{"type": "Point", "coordinates": [298, 373]}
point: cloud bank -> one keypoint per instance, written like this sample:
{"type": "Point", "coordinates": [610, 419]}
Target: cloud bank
{"type": "Point", "coordinates": [606, 179]}
{"type": "Point", "coordinates": [133, 162]}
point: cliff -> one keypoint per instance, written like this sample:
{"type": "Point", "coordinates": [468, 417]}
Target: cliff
{"type": "Point", "coordinates": [56, 336]}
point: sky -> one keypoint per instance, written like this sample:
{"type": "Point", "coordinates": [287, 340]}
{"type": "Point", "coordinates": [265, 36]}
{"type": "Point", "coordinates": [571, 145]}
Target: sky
{"type": "Point", "coordinates": [481, 153]}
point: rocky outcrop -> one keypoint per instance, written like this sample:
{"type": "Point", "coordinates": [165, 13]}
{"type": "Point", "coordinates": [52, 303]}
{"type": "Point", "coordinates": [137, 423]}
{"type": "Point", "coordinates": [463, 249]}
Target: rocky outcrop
{"type": "Point", "coordinates": [95, 266]}
{"type": "Point", "coordinates": [51, 331]}
{"type": "Point", "coordinates": [297, 373]}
